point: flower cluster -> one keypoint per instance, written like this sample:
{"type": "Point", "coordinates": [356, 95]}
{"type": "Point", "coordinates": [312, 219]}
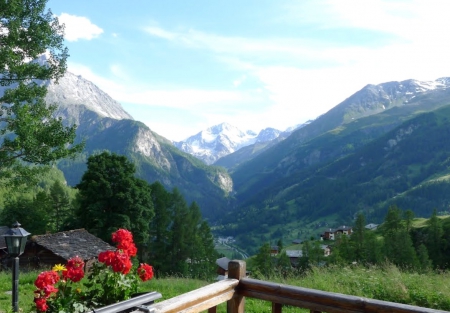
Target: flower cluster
{"type": "Point", "coordinates": [145, 272]}
{"type": "Point", "coordinates": [102, 287]}
{"type": "Point", "coordinates": [45, 282]}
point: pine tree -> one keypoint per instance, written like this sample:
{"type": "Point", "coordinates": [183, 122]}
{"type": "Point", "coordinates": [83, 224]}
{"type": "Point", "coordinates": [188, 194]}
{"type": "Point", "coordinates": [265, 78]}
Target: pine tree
{"type": "Point", "coordinates": [358, 238]}
{"type": "Point", "coordinates": [263, 261]}
{"type": "Point", "coordinates": [398, 246]}
{"type": "Point", "coordinates": [179, 234]}
{"type": "Point", "coordinates": [110, 197]}
{"type": "Point", "coordinates": [60, 205]}
{"type": "Point", "coordinates": [160, 229]}
{"type": "Point", "coordinates": [434, 239]}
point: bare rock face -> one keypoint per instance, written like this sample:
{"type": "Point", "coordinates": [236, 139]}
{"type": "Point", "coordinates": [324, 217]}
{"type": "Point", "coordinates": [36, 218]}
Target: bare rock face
{"type": "Point", "coordinates": [73, 91]}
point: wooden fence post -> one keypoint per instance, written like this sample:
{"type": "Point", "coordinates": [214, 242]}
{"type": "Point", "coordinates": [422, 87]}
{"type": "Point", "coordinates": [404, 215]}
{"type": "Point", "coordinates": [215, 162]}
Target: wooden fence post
{"type": "Point", "coordinates": [236, 270]}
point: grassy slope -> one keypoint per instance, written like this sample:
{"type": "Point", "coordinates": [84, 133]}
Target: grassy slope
{"type": "Point", "coordinates": [384, 283]}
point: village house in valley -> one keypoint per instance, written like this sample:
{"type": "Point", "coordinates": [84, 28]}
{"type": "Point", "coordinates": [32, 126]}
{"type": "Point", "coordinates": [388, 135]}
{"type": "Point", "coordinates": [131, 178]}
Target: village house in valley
{"type": "Point", "coordinates": [331, 234]}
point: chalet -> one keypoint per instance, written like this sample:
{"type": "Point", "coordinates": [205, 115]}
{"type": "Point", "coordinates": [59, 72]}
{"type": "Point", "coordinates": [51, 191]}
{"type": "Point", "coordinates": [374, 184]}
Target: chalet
{"type": "Point", "coordinates": [50, 249]}
{"type": "Point", "coordinates": [297, 241]}
{"type": "Point", "coordinates": [326, 250]}
{"type": "Point", "coordinates": [328, 234]}
{"type": "Point", "coordinates": [331, 234]}
{"type": "Point", "coordinates": [294, 255]}
{"type": "Point", "coordinates": [222, 268]}
{"type": "Point", "coordinates": [274, 250]}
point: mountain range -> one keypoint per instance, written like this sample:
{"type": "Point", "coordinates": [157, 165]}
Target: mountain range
{"type": "Point", "coordinates": [220, 140]}
{"type": "Point", "coordinates": [104, 125]}
{"type": "Point", "coordinates": [383, 145]}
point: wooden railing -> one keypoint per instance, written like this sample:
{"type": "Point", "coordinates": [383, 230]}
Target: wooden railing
{"type": "Point", "coordinates": [237, 287]}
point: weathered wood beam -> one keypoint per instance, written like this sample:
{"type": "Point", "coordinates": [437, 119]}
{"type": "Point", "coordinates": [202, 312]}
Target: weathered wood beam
{"type": "Point", "coordinates": [200, 299]}
{"type": "Point", "coordinates": [236, 270]}
{"type": "Point", "coordinates": [321, 301]}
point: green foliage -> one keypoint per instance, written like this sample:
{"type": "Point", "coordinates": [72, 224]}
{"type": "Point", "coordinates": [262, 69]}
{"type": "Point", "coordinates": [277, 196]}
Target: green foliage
{"type": "Point", "coordinates": [384, 282]}
{"type": "Point", "coordinates": [30, 212]}
{"type": "Point", "coordinates": [263, 263]}
{"type": "Point", "coordinates": [182, 242]}
{"type": "Point", "coordinates": [173, 168]}
{"type": "Point", "coordinates": [412, 173]}
{"type": "Point", "coordinates": [110, 197]}
{"type": "Point", "coordinates": [29, 133]}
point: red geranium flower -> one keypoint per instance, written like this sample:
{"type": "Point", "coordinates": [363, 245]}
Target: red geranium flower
{"type": "Point", "coordinates": [106, 257]}
{"type": "Point", "coordinates": [122, 235]}
{"type": "Point", "coordinates": [41, 304]}
{"type": "Point", "coordinates": [145, 272]}
{"type": "Point", "coordinates": [74, 274]}
{"type": "Point", "coordinates": [46, 278]}
{"type": "Point", "coordinates": [121, 263]}
{"type": "Point", "coordinates": [128, 247]}
{"type": "Point", "coordinates": [75, 262]}
{"type": "Point", "coordinates": [49, 289]}
{"type": "Point", "coordinates": [74, 269]}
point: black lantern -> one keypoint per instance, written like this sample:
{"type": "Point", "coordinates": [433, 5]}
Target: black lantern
{"type": "Point", "coordinates": [15, 239]}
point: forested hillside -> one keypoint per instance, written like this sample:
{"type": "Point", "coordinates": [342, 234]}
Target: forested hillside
{"type": "Point", "coordinates": [399, 157]}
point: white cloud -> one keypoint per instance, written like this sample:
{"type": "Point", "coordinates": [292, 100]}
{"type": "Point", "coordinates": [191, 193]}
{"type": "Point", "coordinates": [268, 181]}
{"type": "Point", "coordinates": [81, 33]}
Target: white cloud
{"type": "Point", "coordinates": [79, 27]}
{"type": "Point", "coordinates": [241, 46]}
{"type": "Point", "coordinates": [159, 32]}
{"type": "Point", "coordinates": [294, 79]}
{"type": "Point", "coordinates": [169, 97]}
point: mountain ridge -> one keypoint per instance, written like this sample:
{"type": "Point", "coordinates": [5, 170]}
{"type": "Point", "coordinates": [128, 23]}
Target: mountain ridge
{"type": "Point", "coordinates": [104, 125]}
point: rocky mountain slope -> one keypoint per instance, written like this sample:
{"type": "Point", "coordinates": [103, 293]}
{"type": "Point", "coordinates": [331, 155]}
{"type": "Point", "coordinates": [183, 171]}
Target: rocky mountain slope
{"type": "Point", "coordinates": [104, 125]}
{"type": "Point", "coordinates": [283, 158]}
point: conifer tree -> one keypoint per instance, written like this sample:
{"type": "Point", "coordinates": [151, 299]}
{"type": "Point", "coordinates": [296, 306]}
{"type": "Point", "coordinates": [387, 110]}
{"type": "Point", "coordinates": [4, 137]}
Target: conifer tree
{"type": "Point", "coordinates": [111, 197]}
{"type": "Point", "coordinates": [60, 203]}
{"type": "Point", "coordinates": [398, 245]}
{"type": "Point", "coordinates": [160, 229]}
{"type": "Point", "coordinates": [358, 237]}
{"type": "Point", "coordinates": [263, 261]}
{"type": "Point", "coordinates": [180, 234]}
{"type": "Point", "coordinates": [434, 239]}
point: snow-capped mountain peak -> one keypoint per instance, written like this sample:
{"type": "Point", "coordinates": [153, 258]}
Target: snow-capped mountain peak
{"type": "Point", "coordinates": [219, 140]}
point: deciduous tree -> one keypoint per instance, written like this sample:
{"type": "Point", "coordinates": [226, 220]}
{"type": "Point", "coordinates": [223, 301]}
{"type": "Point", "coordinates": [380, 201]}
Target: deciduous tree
{"type": "Point", "coordinates": [28, 131]}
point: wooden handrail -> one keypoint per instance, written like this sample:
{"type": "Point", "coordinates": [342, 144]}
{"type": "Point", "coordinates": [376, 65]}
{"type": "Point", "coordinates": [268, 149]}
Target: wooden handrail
{"type": "Point", "coordinates": [200, 299]}
{"type": "Point", "coordinates": [237, 287]}
{"type": "Point", "coordinates": [321, 301]}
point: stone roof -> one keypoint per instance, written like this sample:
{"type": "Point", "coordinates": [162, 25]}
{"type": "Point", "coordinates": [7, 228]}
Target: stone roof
{"type": "Point", "coordinates": [294, 253]}
{"type": "Point", "coordinates": [67, 244]}
{"type": "Point", "coordinates": [223, 263]}
{"type": "Point", "coordinates": [371, 226]}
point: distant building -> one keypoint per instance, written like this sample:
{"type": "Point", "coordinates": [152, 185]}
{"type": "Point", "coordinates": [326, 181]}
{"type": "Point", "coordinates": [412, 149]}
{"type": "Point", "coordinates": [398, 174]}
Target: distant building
{"type": "Point", "coordinates": [371, 226]}
{"type": "Point", "coordinates": [294, 255]}
{"type": "Point", "coordinates": [331, 234]}
{"type": "Point", "coordinates": [274, 250]}
{"type": "Point", "coordinates": [222, 268]}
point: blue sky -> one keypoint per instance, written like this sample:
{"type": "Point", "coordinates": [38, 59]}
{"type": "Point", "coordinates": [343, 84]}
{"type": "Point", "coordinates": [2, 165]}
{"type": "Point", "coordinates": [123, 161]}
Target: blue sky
{"type": "Point", "coordinates": [182, 66]}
